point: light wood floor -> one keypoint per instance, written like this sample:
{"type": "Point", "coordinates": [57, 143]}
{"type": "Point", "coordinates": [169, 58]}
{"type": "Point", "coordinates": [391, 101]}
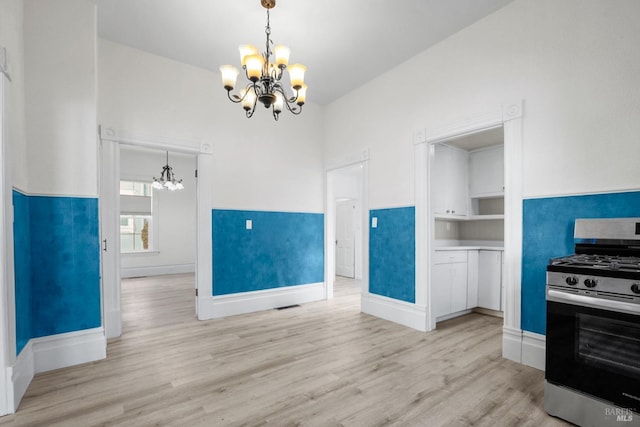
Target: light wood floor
{"type": "Point", "coordinates": [320, 364]}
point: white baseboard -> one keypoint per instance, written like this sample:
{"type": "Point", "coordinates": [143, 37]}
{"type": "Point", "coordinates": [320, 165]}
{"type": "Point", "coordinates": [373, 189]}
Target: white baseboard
{"type": "Point", "coordinates": [396, 311]}
{"type": "Point", "coordinates": [21, 374]}
{"type": "Point", "coordinates": [54, 352]}
{"type": "Point", "coordinates": [160, 270]}
{"type": "Point", "coordinates": [512, 344]}
{"type": "Point", "coordinates": [524, 347]}
{"type": "Point", "coordinates": [533, 349]}
{"type": "Point", "coordinates": [249, 302]}
{"type": "Point", "coordinates": [113, 323]}
{"type": "Point", "coordinates": [73, 348]}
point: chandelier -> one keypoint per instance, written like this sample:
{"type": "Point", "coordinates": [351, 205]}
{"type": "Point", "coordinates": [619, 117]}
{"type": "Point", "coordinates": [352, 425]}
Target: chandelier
{"type": "Point", "coordinates": [167, 179]}
{"type": "Point", "coordinates": [265, 77]}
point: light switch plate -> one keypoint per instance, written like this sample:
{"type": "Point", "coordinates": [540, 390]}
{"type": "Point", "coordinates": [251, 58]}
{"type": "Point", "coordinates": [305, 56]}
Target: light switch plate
{"type": "Point", "coordinates": [374, 222]}
{"type": "Point", "coordinates": [249, 224]}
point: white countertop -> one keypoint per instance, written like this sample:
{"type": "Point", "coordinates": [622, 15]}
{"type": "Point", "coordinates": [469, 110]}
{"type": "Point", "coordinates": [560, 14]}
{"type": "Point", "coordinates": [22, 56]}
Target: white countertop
{"type": "Point", "coordinates": [463, 245]}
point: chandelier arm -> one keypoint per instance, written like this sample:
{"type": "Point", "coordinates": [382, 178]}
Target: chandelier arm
{"type": "Point", "coordinates": [277, 87]}
{"type": "Point", "coordinates": [236, 98]}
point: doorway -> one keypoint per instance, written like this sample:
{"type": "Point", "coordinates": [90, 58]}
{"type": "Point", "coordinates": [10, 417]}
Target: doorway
{"type": "Point", "coordinates": [112, 142]}
{"type": "Point", "coordinates": [510, 117]}
{"type": "Point", "coordinates": [157, 238]}
{"type": "Point", "coordinates": [346, 249]}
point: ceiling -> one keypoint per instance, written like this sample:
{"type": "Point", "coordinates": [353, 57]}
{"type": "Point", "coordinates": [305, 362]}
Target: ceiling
{"type": "Point", "coordinates": [344, 43]}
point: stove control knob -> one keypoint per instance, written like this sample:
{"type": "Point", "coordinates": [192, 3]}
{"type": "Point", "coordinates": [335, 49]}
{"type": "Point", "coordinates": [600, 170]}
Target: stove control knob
{"type": "Point", "coordinates": [571, 280]}
{"type": "Point", "coordinates": [635, 288]}
{"type": "Point", "coordinates": [590, 283]}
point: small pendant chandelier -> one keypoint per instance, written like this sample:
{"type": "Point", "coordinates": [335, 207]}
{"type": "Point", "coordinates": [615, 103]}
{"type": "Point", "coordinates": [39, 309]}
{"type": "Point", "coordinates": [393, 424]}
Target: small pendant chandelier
{"type": "Point", "coordinates": [265, 77]}
{"type": "Point", "coordinates": [167, 179]}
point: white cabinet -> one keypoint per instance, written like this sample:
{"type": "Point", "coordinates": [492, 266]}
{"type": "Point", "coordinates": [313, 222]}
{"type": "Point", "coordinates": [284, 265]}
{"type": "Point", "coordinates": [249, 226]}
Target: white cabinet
{"type": "Point", "coordinates": [449, 282]}
{"type": "Point", "coordinates": [486, 172]}
{"type": "Point", "coordinates": [490, 279]}
{"type": "Point", "coordinates": [450, 181]}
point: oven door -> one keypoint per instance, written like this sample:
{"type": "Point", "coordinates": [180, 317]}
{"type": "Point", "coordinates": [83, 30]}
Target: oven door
{"type": "Point", "coordinates": [594, 350]}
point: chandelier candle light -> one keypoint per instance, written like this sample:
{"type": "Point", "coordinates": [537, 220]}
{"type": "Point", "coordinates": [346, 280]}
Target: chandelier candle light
{"type": "Point", "coordinates": [167, 179]}
{"type": "Point", "coordinates": [265, 77]}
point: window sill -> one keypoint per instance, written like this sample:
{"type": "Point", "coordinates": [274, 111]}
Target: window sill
{"type": "Point", "coordinates": [140, 254]}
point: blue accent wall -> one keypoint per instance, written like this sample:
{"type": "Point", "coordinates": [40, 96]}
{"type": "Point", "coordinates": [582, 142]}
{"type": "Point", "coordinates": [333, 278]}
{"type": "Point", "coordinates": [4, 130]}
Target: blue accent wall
{"type": "Point", "coordinates": [57, 262]}
{"type": "Point", "coordinates": [22, 269]}
{"type": "Point", "coordinates": [548, 232]}
{"type": "Point", "coordinates": [281, 249]}
{"type": "Point", "coordinates": [392, 263]}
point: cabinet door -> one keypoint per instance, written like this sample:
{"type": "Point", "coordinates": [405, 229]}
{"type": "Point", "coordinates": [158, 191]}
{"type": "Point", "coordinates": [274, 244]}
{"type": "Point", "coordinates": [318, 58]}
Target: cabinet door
{"type": "Point", "coordinates": [441, 289]}
{"type": "Point", "coordinates": [459, 182]}
{"type": "Point", "coordinates": [439, 187]}
{"type": "Point", "coordinates": [489, 279]}
{"type": "Point", "coordinates": [458, 287]}
{"type": "Point", "coordinates": [449, 181]}
{"type": "Point", "coordinates": [486, 172]}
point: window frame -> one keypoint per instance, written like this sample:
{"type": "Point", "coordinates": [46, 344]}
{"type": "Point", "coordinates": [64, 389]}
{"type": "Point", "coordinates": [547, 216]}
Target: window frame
{"type": "Point", "coordinates": [153, 229]}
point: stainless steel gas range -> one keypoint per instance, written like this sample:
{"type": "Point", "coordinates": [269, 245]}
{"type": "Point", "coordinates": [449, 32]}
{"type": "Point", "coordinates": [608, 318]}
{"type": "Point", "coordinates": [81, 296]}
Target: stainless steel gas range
{"type": "Point", "coordinates": [592, 374]}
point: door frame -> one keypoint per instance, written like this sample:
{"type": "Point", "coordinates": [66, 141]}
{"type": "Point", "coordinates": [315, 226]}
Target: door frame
{"type": "Point", "coordinates": [110, 140]}
{"type": "Point", "coordinates": [7, 295]}
{"type": "Point", "coordinates": [510, 117]}
{"type": "Point", "coordinates": [334, 167]}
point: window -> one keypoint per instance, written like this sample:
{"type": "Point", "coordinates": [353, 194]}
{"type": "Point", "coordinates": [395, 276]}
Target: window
{"type": "Point", "coordinates": [132, 188]}
{"type": "Point", "coordinates": [134, 233]}
{"type": "Point", "coordinates": [136, 217]}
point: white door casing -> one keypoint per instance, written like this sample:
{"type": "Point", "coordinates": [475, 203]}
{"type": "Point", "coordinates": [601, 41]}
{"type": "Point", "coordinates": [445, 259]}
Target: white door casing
{"type": "Point", "coordinates": [7, 315]}
{"type": "Point", "coordinates": [510, 118]}
{"type": "Point", "coordinates": [112, 138]}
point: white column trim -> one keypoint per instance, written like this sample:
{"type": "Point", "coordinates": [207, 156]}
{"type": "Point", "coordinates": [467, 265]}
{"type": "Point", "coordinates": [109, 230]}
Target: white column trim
{"type": "Point", "coordinates": [423, 235]}
{"type": "Point", "coordinates": [7, 297]}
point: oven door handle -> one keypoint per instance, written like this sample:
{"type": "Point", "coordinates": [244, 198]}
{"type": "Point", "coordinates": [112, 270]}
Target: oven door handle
{"type": "Point", "coordinates": [619, 306]}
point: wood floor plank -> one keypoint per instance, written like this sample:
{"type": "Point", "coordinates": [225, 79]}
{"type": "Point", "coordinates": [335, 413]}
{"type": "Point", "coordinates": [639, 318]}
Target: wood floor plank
{"type": "Point", "coordinates": [319, 364]}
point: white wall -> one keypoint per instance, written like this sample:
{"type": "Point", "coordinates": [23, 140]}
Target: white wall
{"type": "Point", "coordinates": [60, 96]}
{"type": "Point", "coordinates": [259, 164]}
{"type": "Point", "coordinates": [11, 38]}
{"type": "Point", "coordinates": [175, 217]}
{"type": "Point", "coordinates": [574, 62]}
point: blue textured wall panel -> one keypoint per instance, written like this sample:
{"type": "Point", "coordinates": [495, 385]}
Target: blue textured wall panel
{"type": "Point", "coordinates": [22, 268]}
{"type": "Point", "coordinates": [548, 232]}
{"type": "Point", "coordinates": [65, 257]}
{"type": "Point", "coordinates": [282, 249]}
{"type": "Point", "coordinates": [392, 262]}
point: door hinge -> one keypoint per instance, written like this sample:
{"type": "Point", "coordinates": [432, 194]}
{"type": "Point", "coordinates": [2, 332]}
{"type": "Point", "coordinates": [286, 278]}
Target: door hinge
{"type": "Point", "coordinates": [196, 291]}
{"type": "Point", "coordinates": [104, 245]}
{"type": "Point", "coordinates": [196, 173]}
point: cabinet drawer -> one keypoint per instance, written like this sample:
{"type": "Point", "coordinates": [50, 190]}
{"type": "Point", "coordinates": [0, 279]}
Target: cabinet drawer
{"type": "Point", "coordinates": [448, 257]}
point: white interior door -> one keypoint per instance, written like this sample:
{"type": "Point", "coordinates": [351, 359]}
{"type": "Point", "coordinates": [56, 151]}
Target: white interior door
{"type": "Point", "coordinates": [345, 238]}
